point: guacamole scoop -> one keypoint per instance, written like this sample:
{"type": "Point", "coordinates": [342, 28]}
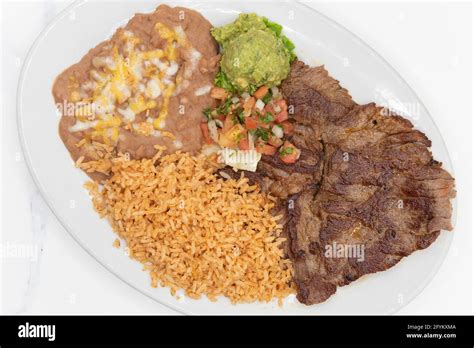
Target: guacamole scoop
{"type": "Point", "coordinates": [254, 53]}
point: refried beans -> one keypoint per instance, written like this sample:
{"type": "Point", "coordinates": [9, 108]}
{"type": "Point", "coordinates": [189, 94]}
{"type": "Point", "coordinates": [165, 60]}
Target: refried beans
{"type": "Point", "coordinates": [145, 86]}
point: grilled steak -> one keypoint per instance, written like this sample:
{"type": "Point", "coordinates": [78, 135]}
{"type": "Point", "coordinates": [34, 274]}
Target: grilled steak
{"type": "Point", "coordinates": [380, 188]}
{"type": "Point", "coordinates": [364, 180]}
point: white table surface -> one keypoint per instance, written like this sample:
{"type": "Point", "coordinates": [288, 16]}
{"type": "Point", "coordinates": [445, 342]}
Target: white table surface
{"type": "Point", "coordinates": [430, 45]}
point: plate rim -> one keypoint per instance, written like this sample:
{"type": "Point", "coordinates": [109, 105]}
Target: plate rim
{"type": "Point", "coordinates": [76, 3]}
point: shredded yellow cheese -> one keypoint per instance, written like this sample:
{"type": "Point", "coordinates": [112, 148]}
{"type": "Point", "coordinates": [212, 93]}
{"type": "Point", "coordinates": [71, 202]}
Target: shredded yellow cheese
{"type": "Point", "coordinates": [136, 77]}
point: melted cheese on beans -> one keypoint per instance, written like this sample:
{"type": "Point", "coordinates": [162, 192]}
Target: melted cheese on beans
{"type": "Point", "coordinates": [130, 81]}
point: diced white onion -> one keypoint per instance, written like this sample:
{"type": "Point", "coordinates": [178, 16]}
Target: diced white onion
{"type": "Point", "coordinates": [225, 175]}
{"type": "Point", "coordinates": [277, 108]}
{"type": "Point", "coordinates": [80, 126]}
{"type": "Point", "coordinates": [210, 149]}
{"type": "Point", "coordinates": [277, 131]}
{"type": "Point", "coordinates": [172, 69]}
{"type": "Point", "coordinates": [245, 95]}
{"type": "Point", "coordinates": [159, 64]}
{"type": "Point", "coordinates": [127, 113]}
{"type": "Point", "coordinates": [235, 100]}
{"type": "Point", "coordinates": [99, 62]}
{"type": "Point", "coordinates": [96, 76]}
{"type": "Point", "coordinates": [124, 92]}
{"type": "Point", "coordinates": [213, 130]}
{"type": "Point", "coordinates": [179, 30]}
{"type": "Point", "coordinates": [202, 90]}
{"type": "Point", "coordinates": [275, 90]}
{"type": "Point", "coordinates": [259, 104]}
{"type": "Point", "coordinates": [153, 89]}
{"type": "Point", "coordinates": [90, 85]}
{"type": "Point", "coordinates": [181, 87]}
{"type": "Point", "coordinates": [177, 144]}
{"type": "Point", "coordinates": [137, 71]}
{"type": "Point", "coordinates": [194, 57]}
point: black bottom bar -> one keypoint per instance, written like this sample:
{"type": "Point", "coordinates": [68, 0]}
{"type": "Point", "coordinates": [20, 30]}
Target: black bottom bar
{"type": "Point", "coordinates": [260, 330]}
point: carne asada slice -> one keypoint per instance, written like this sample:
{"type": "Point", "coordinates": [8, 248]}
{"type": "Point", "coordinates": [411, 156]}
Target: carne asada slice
{"type": "Point", "coordinates": [380, 188]}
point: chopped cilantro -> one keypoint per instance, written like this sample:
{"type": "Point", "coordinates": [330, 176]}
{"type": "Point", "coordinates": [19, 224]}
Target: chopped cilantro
{"type": "Point", "coordinates": [240, 115]}
{"type": "Point", "coordinates": [262, 133]}
{"type": "Point", "coordinates": [286, 151]}
{"type": "Point", "coordinates": [251, 89]}
{"type": "Point", "coordinates": [267, 97]}
{"type": "Point", "coordinates": [235, 119]}
{"type": "Point", "coordinates": [267, 118]}
{"type": "Point", "coordinates": [224, 109]}
{"type": "Point", "coordinates": [207, 112]}
{"type": "Point", "coordinates": [223, 81]}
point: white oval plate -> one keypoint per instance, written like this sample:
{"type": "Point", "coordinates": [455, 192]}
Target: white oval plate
{"type": "Point", "coordinates": [318, 40]}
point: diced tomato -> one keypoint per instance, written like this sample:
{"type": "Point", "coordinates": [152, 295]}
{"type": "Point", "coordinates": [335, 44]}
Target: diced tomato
{"type": "Point", "coordinates": [269, 150]}
{"type": "Point", "coordinates": [261, 92]}
{"type": "Point", "coordinates": [275, 141]}
{"type": "Point", "coordinates": [218, 93]}
{"type": "Point", "coordinates": [287, 127]}
{"type": "Point", "coordinates": [270, 107]}
{"type": "Point", "coordinates": [220, 118]}
{"type": "Point", "coordinates": [250, 123]}
{"type": "Point", "coordinates": [205, 133]}
{"type": "Point", "coordinates": [282, 104]}
{"type": "Point", "coordinates": [265, 149]}
{"type": "Point", "coordinates": [249, 104]}
{"type": "Point", "coordinates": [262, 124]}
{"type": "Point", "coordinates": [282, 116]}
{"type": "Point", "coordinates": [290, 158]}
{"type": "Point", "coordinates": [289, 153]}
{"type": "Point", "coordinates": [244, 144]}
{"type": "Point", "coordinates": [283, 113]}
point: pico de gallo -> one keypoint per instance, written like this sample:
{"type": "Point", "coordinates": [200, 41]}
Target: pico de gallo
{"type": "Point", "coordinates": [250, 122]}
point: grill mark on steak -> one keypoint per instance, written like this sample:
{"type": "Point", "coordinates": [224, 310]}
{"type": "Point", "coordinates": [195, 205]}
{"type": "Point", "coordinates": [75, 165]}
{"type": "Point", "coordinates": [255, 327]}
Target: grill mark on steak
{"type": "Point", "coordinates": [363, 178]}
